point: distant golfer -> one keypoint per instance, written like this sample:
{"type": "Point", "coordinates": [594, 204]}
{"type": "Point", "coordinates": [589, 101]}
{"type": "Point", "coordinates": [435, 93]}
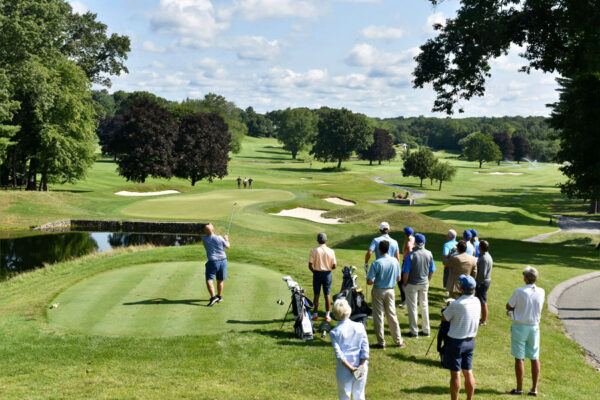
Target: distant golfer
{"type": "Point", "coordinates": [250, 180]}
{"type": "Point", "coordinates": [239, 182]}
{"type": "Point", "coordinates": [245, 182]}
{"type": "Point", "coordinates": [321, 262]}
{"type": "Point", "coordinates": [216, 265]}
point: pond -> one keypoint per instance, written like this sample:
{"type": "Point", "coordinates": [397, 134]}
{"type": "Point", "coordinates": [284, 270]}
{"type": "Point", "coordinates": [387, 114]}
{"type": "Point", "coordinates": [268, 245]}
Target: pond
{"type": "Point", "coordinates": [25, 253]}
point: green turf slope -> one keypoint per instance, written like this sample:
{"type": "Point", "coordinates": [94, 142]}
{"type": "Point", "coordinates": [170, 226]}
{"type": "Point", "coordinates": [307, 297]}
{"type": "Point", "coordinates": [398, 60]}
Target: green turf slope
{"type": "Point", "coordinates": [169, 299]}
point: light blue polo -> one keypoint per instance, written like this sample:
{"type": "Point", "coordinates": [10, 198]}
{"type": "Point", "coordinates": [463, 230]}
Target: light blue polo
{"type": "Point", "coordinates": [375, 245]}
{"type": "Point", "coordinates": [385, 271]}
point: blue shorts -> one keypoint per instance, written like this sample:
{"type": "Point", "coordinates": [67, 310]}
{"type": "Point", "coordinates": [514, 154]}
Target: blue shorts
{"type": "Point", "coordinates": [525, 341]}
{"type": "Point", "coordinates": [216, 268]}
{"type": "Point", "coordinates": [481, 292]}
{"type": "Point", "coordinates": [459, 354]}
{"type": "Point", "coordinates": [322, 278]}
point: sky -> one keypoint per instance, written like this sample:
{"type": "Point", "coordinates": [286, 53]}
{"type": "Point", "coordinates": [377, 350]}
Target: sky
{"type": "Point", "coordinates": [274, 54]}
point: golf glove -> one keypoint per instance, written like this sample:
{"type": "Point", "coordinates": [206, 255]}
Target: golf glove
{"type": "Point", "coordinates": [366, 268]}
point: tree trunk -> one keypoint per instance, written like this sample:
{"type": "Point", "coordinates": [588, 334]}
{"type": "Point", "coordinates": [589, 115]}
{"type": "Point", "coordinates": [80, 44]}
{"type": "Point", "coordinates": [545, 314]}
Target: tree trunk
{"type": "Point", "coordinates": [480, 162]}
{"type": "Point", "coordinates": [294, 155]}
{"type": "Point", "coordinates": [44, 178]}
{"type": "Point", "coordinates": [370, 162]}
{"type": "Point", "coordinates": [32, 175]}
{"type": "Point", "coordinates": [594, 206]}
{"type": "Point", "coordinates": [379, 162]}
{"type": "Point", "coordinates": [421, 182]}
{"type": "Point", "coordinates": [14, 168]}
{"type": "Point", "coordinates": [440, 189]}
{"type": "Point", "coordinates": [339, 163]}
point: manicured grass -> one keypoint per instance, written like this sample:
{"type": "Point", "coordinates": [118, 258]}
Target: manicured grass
{"type": "Point", "coordinates": [168, 299]}
{"type": "Point", "coordinates": [94, 346]}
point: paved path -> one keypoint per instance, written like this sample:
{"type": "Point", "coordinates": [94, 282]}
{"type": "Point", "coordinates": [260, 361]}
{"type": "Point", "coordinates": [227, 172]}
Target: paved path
{"type": "Point", "coordinates": [570, 225]}
{"type": "Point", "coordinates": [416, 194]}
{"type": "Point", "coordinates": [578, 306]}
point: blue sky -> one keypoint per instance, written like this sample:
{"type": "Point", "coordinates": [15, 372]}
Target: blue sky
{"type": "Point", "coordinates": [273, 54]}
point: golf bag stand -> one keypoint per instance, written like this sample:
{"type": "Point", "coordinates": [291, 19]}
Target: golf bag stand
{"type": "Point", "coordinates": [355, 298]}
{"type": "Point", "coordinates": [301, 306]}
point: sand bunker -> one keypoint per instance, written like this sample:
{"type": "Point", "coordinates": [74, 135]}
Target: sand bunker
{"type": "Point", "coordinates": [126, 193]}
{"type": "Point", "coordinates": [309, 214]}
{"type": "Point", "coordinates": [340, 202]}
{"type": "Point", "coordinates": [499, 173]}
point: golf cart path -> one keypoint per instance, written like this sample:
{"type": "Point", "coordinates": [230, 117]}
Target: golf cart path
{"type": "Point", "coordinates": [578, 306]}
{"type": "Point", "coordinates": [570, 225]}
{"type": "Point", "coordinates": [415, 193]}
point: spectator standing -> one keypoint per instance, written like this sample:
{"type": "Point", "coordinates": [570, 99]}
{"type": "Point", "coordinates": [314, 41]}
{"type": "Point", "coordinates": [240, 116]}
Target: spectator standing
{"type": "Point", "coordinates": [484, 277]}
{"type": "Point", "coordinates": [467, 236]}
{"type": "Point", "coordinates": [321, 262]}
{"type": "Point", "coordinates": [394, 251]}
{"type": "Point", "coordinates": [239, 182]}
{"type": "Point", "coordinates": [463, 315]}
{"type": "Point", "coordinates": [245, 182]}
{"type": "Point", "coordinates": [447, 250]}
{"type": "Point", "coordinates": [351, 348]}
{"type": "Point", "coordinates": [459, 264]}
{"type": "Point", "coordinates": [250, 180]}
{"type": "Point", "coordinates": [383, 275]}
{"type": "Point", "coordinates": [475, 241]}
{"type": "Point", "coordinates": [525, 309]}
{"type": "Point", "coordinates": [417, 271]}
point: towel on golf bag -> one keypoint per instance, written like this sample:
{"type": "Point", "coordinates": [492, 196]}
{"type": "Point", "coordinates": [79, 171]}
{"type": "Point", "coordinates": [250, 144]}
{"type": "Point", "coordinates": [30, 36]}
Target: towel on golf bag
{"type": "Point", "coordinates": [301, 306]}
{"type": "Point", "coordinates": [442, 339]}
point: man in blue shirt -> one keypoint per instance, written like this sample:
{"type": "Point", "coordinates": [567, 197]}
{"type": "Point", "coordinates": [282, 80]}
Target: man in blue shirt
{"type": "Point", "coordinates": [384, 275]}
{"type": "Point", "coordinates": [467, 236]}
{"type": "Point", "coordinates": [394, 251]}
{"type": "Point", "coordinates": [215, 246]}
{"type": "Point", "coordinates": [447, 251]}
{"type": "Point", "coordinates": [417, 271]}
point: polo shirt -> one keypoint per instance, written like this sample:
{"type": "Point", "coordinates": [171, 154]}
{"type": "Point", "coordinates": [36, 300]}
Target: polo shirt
{"type": "Point", "coordinates": [385, 271]}
{"type": "Point", "coordinates": [463, 315]}
{"type": "Point", "coordinates": [215, 247]}
{"type": "Point", "coordinates": [448, 246]}
{"type": "Point", "coordinates": [418, 265]}
{"type": "Point", "coordinates": [470, 249]}
{"type": "Point", "coordinates": [375, 245]}
{"type": "Point", "coordinates": [527, 302]}
{"type": "Point", "coordinates": [322, 258]}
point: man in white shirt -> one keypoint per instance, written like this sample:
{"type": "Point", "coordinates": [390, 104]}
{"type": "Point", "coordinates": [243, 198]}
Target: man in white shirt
{"type": "Point", "coordinates": [463, 315]}
{"type": "Point", "coordinates": [525, 308]}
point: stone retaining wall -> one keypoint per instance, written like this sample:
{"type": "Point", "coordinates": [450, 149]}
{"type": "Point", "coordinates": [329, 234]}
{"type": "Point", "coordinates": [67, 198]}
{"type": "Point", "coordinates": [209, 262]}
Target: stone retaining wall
{"type": "Point", "coordinates": [189, 228]}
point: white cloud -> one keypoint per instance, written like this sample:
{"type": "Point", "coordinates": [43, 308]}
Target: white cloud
{"type": "Point", "coordinates": [351, 81]}
{"type": "Point", "coordinates": [157, 64]}
{"type": "Point", "coordinates": [150, 46]}
{"type": "Point", "coordinates": [435, 18]}
{"type": "Point", "coordinates": [78, 7]}
{"type": "Point", "coordinates": [365, 55]}
{"type": "Point", "coordinates": [382, 32]}
{"type": "Point", "coordinates": [256, 48]}
{"type": "Point", "coordinates": [209, 63]}
{"type": "Point", "coordinates": [260, 9]}
{"type": "Point", "coordinates": [278, 78]}
{"type": "Point", "coordinates": [193, 20]}
{"type": "Point", "coordinates": [358, 1]}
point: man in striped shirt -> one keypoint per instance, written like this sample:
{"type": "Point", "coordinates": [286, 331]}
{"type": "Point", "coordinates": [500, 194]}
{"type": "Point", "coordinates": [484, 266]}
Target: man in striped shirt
{"type": "Point", "coordinates": [463, 315]}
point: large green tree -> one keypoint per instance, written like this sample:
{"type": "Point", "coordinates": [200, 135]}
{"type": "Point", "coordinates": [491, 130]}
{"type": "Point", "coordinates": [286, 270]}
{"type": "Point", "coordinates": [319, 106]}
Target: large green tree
{"type": "Point", "coordinates": [557, 36]}
{"type": "Point", "coordinates": [258, 124]}
{"type": "Point", "coordinates": [7, 107]}
{"type": "Point", "coordinates": [443, 171]}
{"type": "Point", "coordinates": [296, 129]}
{"type": "Point", "coordinates": [381, 149]}
{"type": "Point", "coordinates": [480, 147]}
{"type": "Point", "coordinates": [341, 133]}
{"type": "Point", "coordinates": [522, 147]}
{"type": "Point", "coordinates": [419, 164]}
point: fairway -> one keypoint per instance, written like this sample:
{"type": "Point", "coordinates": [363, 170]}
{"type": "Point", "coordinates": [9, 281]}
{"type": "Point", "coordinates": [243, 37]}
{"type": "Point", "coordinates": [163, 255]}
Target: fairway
{"type": "Point", "coordinates": [169, 299]}
{"type": "Point", "coordinates": [205, 206]}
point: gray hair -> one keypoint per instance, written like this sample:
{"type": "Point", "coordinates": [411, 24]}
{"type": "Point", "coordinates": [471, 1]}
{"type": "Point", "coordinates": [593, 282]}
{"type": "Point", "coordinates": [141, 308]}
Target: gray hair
{"type": "Point", "coordinates": [341, 309]}
{"type": "Point", "coordinates": [531, 274]}
{"type": "Point", "coordinates": [452, 234]}
{"type": "Point", "coordinates": [322, 238]}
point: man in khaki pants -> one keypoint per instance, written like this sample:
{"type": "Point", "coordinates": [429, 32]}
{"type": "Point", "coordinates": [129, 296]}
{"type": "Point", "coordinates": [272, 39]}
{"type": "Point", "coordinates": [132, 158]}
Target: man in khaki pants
{"type": "Point", "coordinates": [384, 274]}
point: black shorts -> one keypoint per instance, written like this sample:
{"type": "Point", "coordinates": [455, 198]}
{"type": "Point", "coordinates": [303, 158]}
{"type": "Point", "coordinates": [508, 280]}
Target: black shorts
{"type": "Point", "coordinates": [481, 292]}
{"type": "Point", "coordinates": [322, 279]}
{"type": "Point", "coordinates": [459, 354]}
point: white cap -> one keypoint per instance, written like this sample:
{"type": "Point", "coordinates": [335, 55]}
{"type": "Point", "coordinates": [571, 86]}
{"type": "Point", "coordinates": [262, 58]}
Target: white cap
{"type": "Point", "coordinates": [383, 226]}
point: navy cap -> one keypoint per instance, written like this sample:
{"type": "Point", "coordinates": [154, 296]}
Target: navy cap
{"type": "Point", "coordinates": [473, 232]}
{"type": "Point", "coordinates": [467, 235]}
{"type": "Point", "coordinates": [466, 281]}
{"type": "Point", "coordinates": [419, 238]}
{"type": "Point", "coordinates": [408, 230]}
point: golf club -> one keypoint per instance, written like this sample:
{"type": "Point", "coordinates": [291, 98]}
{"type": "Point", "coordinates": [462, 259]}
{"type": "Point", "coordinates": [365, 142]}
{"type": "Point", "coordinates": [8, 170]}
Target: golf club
{"type": "Point", "coordinates": [432, 340]}
{"type": "Point", "coordinates": [231, 219]}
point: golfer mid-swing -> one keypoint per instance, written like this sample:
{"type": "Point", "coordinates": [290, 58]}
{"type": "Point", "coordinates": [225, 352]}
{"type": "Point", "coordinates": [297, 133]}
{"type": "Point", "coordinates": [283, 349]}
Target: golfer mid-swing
{"type": "Point", "coordinates": [216, 265]}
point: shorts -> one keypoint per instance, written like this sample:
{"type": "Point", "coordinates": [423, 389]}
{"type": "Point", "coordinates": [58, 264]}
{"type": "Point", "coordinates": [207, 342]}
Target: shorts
{"type": "Point", "coordinates": [322, 278]}
{"type": "Point", "coordinates": [216, 268]}
{"type": "Point", "coordinates": [481, 291]}
{"type": "Point", "coordinates": [525, 341]}
{"type": "Point", "coordinates": [459, 354]}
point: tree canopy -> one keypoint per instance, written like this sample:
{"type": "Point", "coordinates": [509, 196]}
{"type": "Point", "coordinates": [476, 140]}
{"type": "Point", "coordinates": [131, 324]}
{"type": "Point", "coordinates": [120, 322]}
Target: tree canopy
{"type": "Point", "coordinates": [480, 147]}
{"type": "Point", "coordinates": [443, 171]}
{"type": "Point", "coordinates": [521, 147]}
{"type": "Point", "coordinates": [296, 129]}
{"type": "Point", "coordinates": [341, 133]}
{"type": "Point", "coordinates": [419, 164]}
{"type": "Point", "coordinates": [381, 149]}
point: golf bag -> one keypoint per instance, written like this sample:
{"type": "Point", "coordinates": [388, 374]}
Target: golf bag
{"type": "Point", "coordinates": [301, 306]}
{"type": "Point", "coordinates": [356, 299]}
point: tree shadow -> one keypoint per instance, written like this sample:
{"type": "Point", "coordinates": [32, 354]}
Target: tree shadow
{"type": "Point", "coordinates": [162, 301]}
{"type": "Point", "coordinates": [287, 338]}
{"type": "Point", "coordinates": [71, 191]}
{"type": "Point", "coordinates": [265, 158]}
{"type": "Point", "coordinates": [429, 362]}
{"type": "Point", "coordinates": [303, 170]}
{"type": "Point", "coordinates": [446, 390]}
{"type": "Point", "coordinates": [250, 322]}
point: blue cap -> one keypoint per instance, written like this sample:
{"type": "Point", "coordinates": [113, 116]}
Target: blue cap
{"type": "Point", "coordinates": [408, 230]}
{"type": "Point", "coordinates": [466, 281]}
{"type": "Point", "coordinates": [473, 232]}
{"type": "Point", "coordinates": [467, 235]}
{"type": "Point", "coordinates": [419, 238]}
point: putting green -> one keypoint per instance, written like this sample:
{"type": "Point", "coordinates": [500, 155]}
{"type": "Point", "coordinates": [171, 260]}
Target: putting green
{"type": "Point", "coordinates": [205, 206]}
{"type": "Point", "coordinates": [169, 299]}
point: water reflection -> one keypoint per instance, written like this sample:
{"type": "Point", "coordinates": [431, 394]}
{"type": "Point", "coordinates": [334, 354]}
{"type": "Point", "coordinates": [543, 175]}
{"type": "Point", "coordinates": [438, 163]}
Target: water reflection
{"type": "Point", "coordinates": [22, 254]}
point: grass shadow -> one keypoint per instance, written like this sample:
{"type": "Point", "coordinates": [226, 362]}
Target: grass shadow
{"type": "Point", "coordinates": [250, 322]}
{"type": "Point", "coordinates": [287, 338]}
{"type": "Point", "coordinates": [162, 301]}
{"type": "Point", "coordinates": [446, 390]}
{"type": "Point", "coordinates": [429, 362]}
